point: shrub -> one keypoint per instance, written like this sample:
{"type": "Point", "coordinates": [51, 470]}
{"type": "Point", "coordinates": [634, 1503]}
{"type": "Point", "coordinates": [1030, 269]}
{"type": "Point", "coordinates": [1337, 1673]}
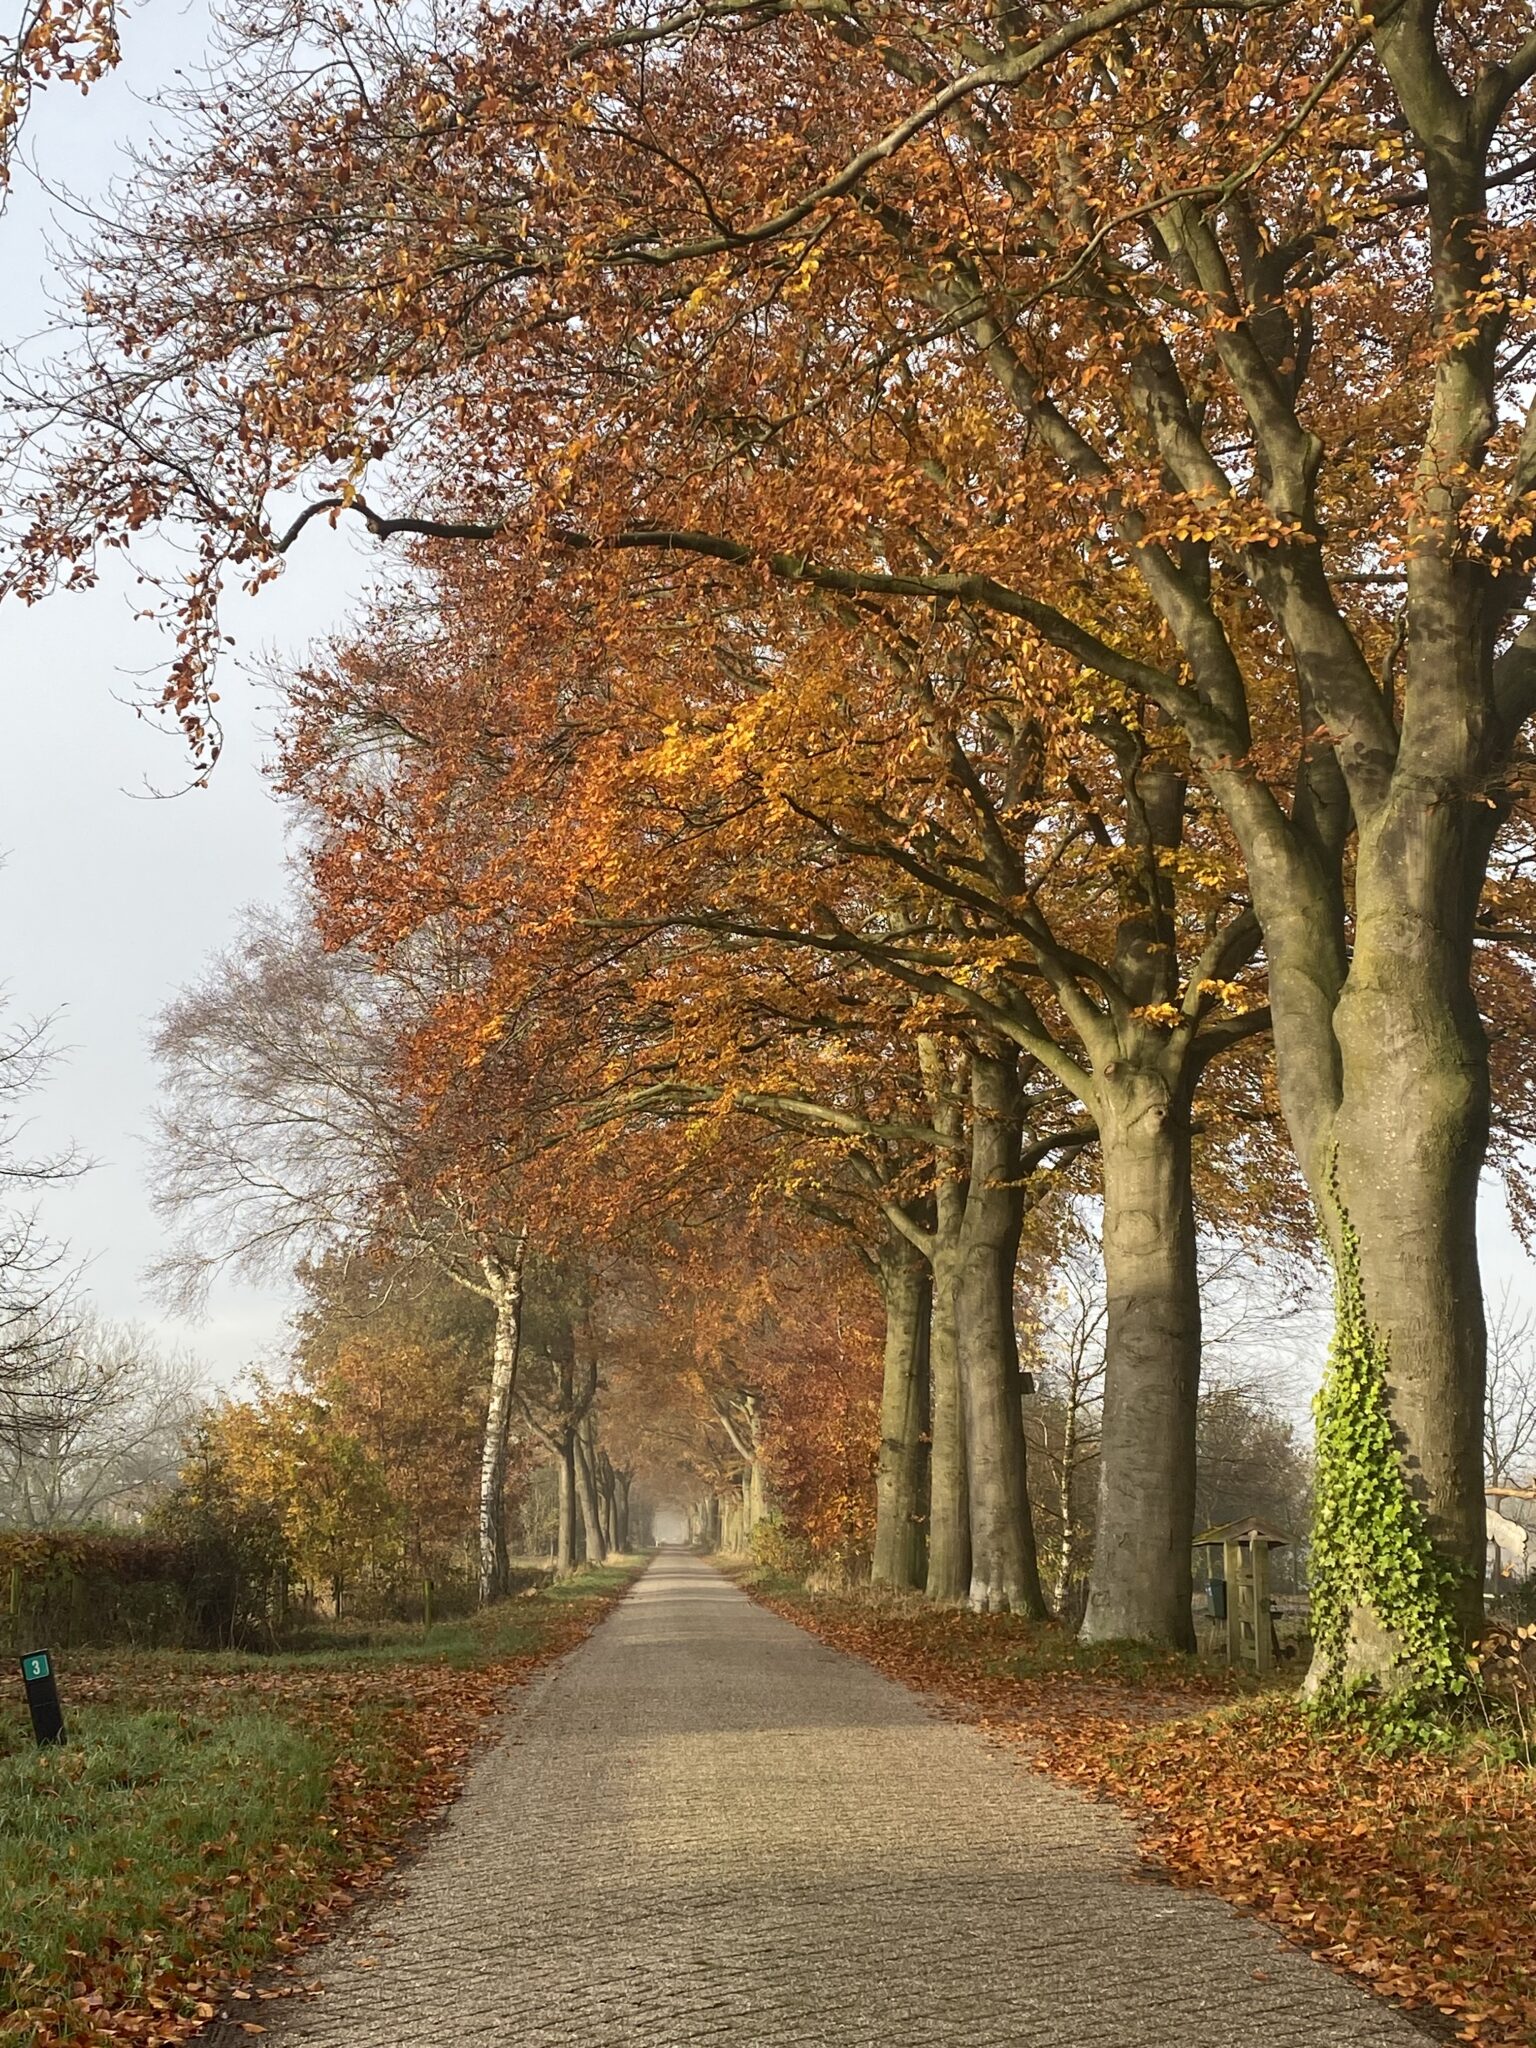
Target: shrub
{"type": "Point", "coordinates": [233, 1562]}
{"type": "Point", "coordinates": [63, 1587]}
{"type": "Point", "coordinates": [777, 1548]}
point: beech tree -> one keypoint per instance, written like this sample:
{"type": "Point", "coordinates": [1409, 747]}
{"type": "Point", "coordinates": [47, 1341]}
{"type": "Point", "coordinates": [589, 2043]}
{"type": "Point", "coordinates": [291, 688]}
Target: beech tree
{"type": "Point", "coordinates": [556, 1401]}
{"type": "Point", "coordinates": [1072, 907]}
{"type": "Point", "coordinates": [750, 1372]}
{"type": "Point", "coordinates": [1187, 343]}
{"type": "Point", "coordinates": [1069, 911]}
{"type": "Point", "coordinates": [720, 1022]}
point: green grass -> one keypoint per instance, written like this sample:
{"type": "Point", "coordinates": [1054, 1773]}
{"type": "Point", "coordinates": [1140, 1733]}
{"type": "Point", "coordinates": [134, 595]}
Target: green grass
{"type": "Point", "coordinates": [504, 1631]}
{"type": "Point", "coordinates": [109, 1846]}
{"type": "Point", "coordinates": [205, 1801]}
{"type": "Point", "coordinates": [597, 1578]}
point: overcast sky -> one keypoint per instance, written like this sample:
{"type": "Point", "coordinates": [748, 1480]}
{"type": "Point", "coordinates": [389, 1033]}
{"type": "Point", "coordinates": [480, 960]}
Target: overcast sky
{"type": "Point", "coordinates": [110, 900]}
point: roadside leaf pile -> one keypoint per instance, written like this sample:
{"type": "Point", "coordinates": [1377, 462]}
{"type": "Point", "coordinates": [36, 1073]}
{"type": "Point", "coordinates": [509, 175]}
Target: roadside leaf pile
{"type": "Point", "coordinates": [1415, 1872]}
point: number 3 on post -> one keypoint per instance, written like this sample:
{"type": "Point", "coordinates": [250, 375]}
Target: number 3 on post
{"type": "Point", "coordinates": [43, 1697]}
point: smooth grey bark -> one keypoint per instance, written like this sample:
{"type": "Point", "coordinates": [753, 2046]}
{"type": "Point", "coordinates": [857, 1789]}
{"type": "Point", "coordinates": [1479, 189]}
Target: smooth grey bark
{"type": "Point", "coordinates": [607, 1501]}
{"type": "Point", "coordinates": [604, 1506]}
{"type": "Point", "coordinates": [1378, 1050]}
{"type": "Point", "coordinates": [901, 1479]}
{"type": "Point", "coordinates": [1411, 1135]}
{"type": "Point", "coordinates": [1139, 1584]}
{"type": "Point", "coordinates": [586, 1485]}
{"type": "Point", "coordinates": [1381, 1066]}
{"type": "Point", "coordinates": [949, 1494]}
{"type": "Point", "coordinates": [1005, 1575]}
{"type": "Point", "coordinates": [949, 1499]}
{"type": "Point", "coordinates": [565, 1540]}
{"type": "Point", "coordinates": [1380, 1054]}
{"type": "Point", "coordinates": [558, 1421]}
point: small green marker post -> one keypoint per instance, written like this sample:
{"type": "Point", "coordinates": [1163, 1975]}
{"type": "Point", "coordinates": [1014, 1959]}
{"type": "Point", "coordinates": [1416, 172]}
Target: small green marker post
{"type": "Point", "coordinates": [43, 1698]}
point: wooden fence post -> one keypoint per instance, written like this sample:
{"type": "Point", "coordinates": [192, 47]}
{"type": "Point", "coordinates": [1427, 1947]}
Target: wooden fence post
{"type": "Point", "coordinates": [1232, 1565]}
{"type": "Point", "coordinates": [1263, 1641]}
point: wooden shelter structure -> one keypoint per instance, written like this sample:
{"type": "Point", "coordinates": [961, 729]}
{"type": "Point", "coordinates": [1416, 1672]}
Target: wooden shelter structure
{"type": "Point", "coordinates": [1235, 1556]}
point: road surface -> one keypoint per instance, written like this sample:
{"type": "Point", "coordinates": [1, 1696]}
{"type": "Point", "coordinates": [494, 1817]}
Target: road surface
{"type": "Point", "coordinates": [706, 1827]}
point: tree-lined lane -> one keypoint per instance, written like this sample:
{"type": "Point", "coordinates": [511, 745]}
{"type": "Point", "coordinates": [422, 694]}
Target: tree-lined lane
{"type": "Point", "coordinates": [707, 1826]}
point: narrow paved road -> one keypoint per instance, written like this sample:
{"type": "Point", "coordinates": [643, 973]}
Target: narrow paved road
{"type": "Point", "coordinates": [707, 1827]}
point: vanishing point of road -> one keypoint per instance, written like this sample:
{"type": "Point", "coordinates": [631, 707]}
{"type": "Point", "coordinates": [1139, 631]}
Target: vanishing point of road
{"type": "Point", "coordinates": [706, 1827]}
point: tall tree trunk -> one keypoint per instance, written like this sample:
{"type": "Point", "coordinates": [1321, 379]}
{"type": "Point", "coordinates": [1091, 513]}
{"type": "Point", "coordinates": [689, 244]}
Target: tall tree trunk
{"type": "Point", "coordinates": [1410, 1138]}
{"type": "Point", "coordinates": [565, 1544]}
{"type": "Point", "coordinates": [1139, 1586]}
{"type": "Point", "coordinates": [1005, 1575]}
{"type": "Point", "coordinates": [754, 1487]}
{"type": "Point", "coordinates": [949, 1498]}
{"type": "Point", "coordinates": [623, 1480]}
{"type": "Point", "coordinates": [741, 1419]}
{"type": "Point", "coordinates": [901, 1482]}
{"type": "Point", "coordinates": [949, 1489]}
{"type": "Point", "coordinates": [586, 1482]}
{"type": "Point", "coordinates": [602, 1468]}
{"type": "Point", "coordinates": [504, 1281]}
{"type": "Point", "coordinates": [1381, 1062]}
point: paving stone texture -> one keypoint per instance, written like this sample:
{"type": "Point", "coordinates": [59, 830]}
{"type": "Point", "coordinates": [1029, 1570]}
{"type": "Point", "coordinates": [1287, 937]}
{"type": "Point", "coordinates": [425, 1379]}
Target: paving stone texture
{"type": "Point", "coordinates": [704, 1826]}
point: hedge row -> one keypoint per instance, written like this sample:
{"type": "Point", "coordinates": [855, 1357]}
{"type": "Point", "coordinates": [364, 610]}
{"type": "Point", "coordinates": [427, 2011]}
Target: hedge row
{"type": "Point", "coordinates": [127, 1557]}
{"type": "Point", "coordinates": [61, 1588]}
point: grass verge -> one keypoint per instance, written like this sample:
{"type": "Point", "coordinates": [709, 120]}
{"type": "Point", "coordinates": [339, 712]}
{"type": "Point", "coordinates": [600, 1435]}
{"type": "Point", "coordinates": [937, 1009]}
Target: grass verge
{"type": "Point", "coordinates": [213, 1813]}
{"type": "Point", "coordinates": [1415, 1873]}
